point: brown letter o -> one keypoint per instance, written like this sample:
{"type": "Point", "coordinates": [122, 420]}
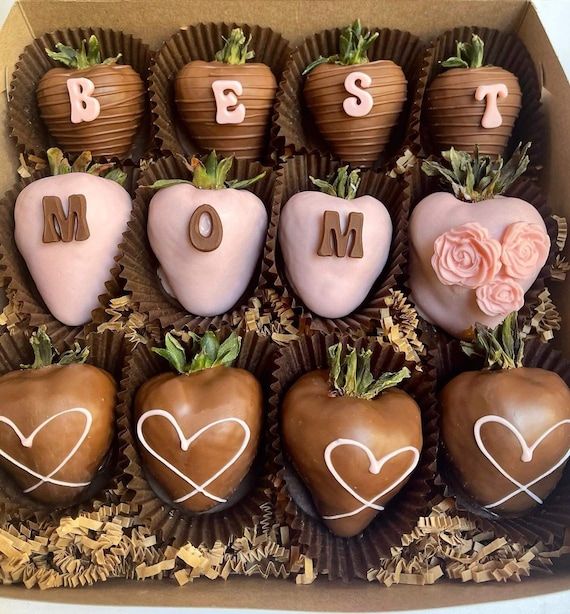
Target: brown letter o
{"type": "Point", "coordinates": [199, 241]}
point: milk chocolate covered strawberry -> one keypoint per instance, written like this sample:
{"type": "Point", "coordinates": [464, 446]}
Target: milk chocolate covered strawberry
{"type": "Point", "coordinates": [474, 253]}
{"type": "Point", "coordinates": [334, 244]}
{"type": "Point", "coordinates": [92, 104]}
{"type": "Point", "coordinates": [207, 235]}
{"type": "Point", "coordinates": [353, 439]}
{"type": "Point", "coordinates": [472, 104]}
{"type": "Point", "coordinates": [56, 423]}
{"type": "Point", "coordinates": [506, 429]}
{"type": "Point", "coordinates": [226, 104]}
{"type": "Point", "coordinates": [68, 228]}
{"type": "Point", "coordinates": [355, 103]}
{"type": "Point", "coordinates": [198, 429]}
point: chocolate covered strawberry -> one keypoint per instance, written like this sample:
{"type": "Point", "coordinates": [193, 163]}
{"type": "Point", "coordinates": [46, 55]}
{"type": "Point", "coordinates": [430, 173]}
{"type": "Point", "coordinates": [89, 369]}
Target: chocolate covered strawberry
{"type": "Point", "coordinates": [506, 429]}
{"type": "Point", "coordinates": [92, 104]}
{"type": "Point", "coordinates": [472, 104]}
{"type": "Point", "coordinates": [68, 228]}
{"type": "Point", "coordinates": [334, 244]}
{"type": "Point", "coordinates": [226, 104]}
{"type": "Point", "coordinates": [474, 253]}
{"type": "Point", "coordinates": [56, 423]}
{"type": "Point", "coordinates": [354, 440]}
{"type": "Point", "coordinates": [355, 103]}
{"type": "Point", "coordinates": [198, 429]}
{"type": "Point", "coordinates": [207, 235]}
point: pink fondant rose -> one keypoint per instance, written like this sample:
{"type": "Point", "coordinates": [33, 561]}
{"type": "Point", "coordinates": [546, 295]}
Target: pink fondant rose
{"type": "Point", "coordinates": [500, 297]}
{"type": "Point", "coordinates": [525, 249]}
{"type": "Point", "coordinates": [466, 256]}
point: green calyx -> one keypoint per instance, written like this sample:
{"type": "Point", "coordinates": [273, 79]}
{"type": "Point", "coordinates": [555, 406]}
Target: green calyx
{"type": "Point", "coordinates": [350, 374]}
{"type": "Point", "coordinates": [354, 46]}
{"type": "Point", "coordinates": [45, 353]}
{"type": "Point", "coordinates": [88, 54]}
{"type": "Point", "coordinates": [342, 183]}
{"type": "Point", "coordinates": [235, 49]}
{"type": "Point", "coordinates": [211, 352]}
{"type": "Point", "coordinates": [60, 165]}
{"type": "Point", "coordinates": [467, 55]}
{"type": "Point", "coordinates": [209, 173]}
{"type": "Point", "coordinates": [501, 347]}
{"type": "Point", "coordinates": [475, 177]}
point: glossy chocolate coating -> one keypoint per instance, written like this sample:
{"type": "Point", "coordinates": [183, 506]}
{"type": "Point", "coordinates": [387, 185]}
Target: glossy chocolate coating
{"type": "Point", "coordinates": [311, 419]}
{"type": "Point", "coordinates": [532, 400]}
{"type": "Point", "coordinates": [195, 401]}
{"type": "Point", "coordinates": [29, 398]}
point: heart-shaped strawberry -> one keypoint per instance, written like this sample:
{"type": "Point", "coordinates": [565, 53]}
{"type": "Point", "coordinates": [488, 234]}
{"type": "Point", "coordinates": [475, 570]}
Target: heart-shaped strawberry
{"type": "Point", "coordinates": [506, 431]}
{"type": "Point", "coordinates": [68, 228]}
{"type": "Point", "coordinates": [207, 235]}
{"type": "Point", "coordinates": [472, 105]}
{"type": "Point", "coordinates": [355, 103]}
{"type": "Point", "coordinates": [91, 104]}
{"type": "Point", "coordinates": [334, 245]}
{"type": "Point", "coordinates": [353, 441]}
{"type": "Point", "coordinates": [56, 423]}
{"type": "Point", "coordinates": [198, 430]}
{"type": "Point", "coordinates": [474, 255]}
{"type": "Point", "coordinates": [226, 104]}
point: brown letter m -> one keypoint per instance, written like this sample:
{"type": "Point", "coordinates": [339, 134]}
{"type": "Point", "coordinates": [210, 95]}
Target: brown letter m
{"type": "Point", "coordinates": [58, 226]}
{"type": "Point", "coordinates": [333, 235]}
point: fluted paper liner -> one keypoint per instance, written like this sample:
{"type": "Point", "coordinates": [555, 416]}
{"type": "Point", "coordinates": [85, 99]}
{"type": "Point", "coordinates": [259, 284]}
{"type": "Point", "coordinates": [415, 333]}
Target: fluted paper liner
{"type": "Point", "coordinates": [349, 558]}
{"type": "Point", "coordinates": [139, 264]}
{"type": "Point", "coordinates": [19, 286]}
{"type": "Point", "coordinates": [545, 523]}
{"type": "Point", "coordinates": [201, 42]}
{"type": "Point", "coordinates": [293, 177]}
{"type": "Point", "coordinates": [174, 525]}
{"type": "Point", "coordinates": [293, 130]}
{"type": "Point", "coordinates": [26, 125]}
{"type": "Point", "coordinates": [506, 50]}
{"type": "Point", "coordinates": [107, 351]}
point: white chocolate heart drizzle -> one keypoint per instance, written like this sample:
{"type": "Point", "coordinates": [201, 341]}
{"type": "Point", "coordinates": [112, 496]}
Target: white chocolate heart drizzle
{"type": "Point", "coordinates": [375, 467]}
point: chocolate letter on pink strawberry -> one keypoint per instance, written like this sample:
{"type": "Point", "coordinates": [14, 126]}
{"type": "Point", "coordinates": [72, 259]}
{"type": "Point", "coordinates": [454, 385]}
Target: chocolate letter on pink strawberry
{"type": "Point", "coordinates": [84, 107]}
{"type": "Point", "coordinates": [361, 103]}
{"type": "Point", "coordinates": [226, 93]}
{"type": "Point", "coordinates": [205, 229]}
{"type": "Point", "coordinates": [334, 242]}
{"type": "Point", "coordinates": [58, 226]}
{"type": "Point", "coordinates": [492, 117]}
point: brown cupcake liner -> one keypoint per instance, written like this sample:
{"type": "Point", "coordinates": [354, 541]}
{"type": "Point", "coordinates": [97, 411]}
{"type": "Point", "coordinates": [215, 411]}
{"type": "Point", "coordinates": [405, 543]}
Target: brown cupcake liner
{"type": "Point", "coordinates": [350, 558]}
{"type": "Point", "coordinates": [174, 525]}
{"type": "Point", "coordinates": [506, 50]}
{"type": "Point", "coordinates": [18, 284]}
{"type": "Point", "coordinates": [26, 126]}
{"type": "Point", "coordinates": [293, 131]}
{"type": "Point", "coordinates": [547, 523]}
{"type": "Point", "coordinates": [293, 177]}
{"type": "Point", "coordinates": [201, 42]}
{"type": "Point", "coordinates": [107, 351]}
{"type": "Point", "coordinates": [139, 264]}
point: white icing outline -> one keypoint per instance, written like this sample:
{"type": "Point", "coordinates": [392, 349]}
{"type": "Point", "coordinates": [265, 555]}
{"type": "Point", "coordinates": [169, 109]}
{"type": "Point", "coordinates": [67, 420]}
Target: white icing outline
{"type": "Point", "coordinates": [185, 443]}
{"type": "Point", "coordinates": [28, 442]}
{"type": "Point", "coordinates": [375, 467]}
{"type": "Point", "coordinates": [526, 456]}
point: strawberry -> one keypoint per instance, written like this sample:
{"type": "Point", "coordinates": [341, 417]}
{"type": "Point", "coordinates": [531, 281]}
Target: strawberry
{"type": "Point", "coordinates": [354, 440]}
{"type": "Point", "coordinates": [355, 103]}
{"type": "Point", "coordinates": [91, 104]}
{"type": "Point", "coordinates": [334, 245]}
{"type": "Point", "coordinates": [198, 429]}
{"type": "Point", "coordinates": [56, 423]}
{"type": "Point", "coordinates": [68, 228]}
{"type": "Point", "coordinates": [506, 429]}
{"type": "Point", "coordinates": [207, 235]}
{"type": "Point", "coordinates": [474, 253]}
{"type": "Point", "coordinates": [472, 104]}
{"type": "Point", "coordinates": [226, 104]}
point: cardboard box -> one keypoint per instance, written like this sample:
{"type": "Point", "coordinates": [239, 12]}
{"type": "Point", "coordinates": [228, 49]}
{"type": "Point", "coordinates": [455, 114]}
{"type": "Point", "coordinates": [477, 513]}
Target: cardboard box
{"type": "Point", "coordinates": [156, 20]}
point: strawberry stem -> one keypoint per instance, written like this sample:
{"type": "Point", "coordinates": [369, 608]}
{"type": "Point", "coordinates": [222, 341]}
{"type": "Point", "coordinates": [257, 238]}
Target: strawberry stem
{"type": "Point", "coordinates": [235, 49]}
{"type": "Point", "coordinates": [44, 352]}
{"type": "Point", "coordinates": [88, 54]}
{"type": "Point", "coordinates": [60, 165]}
{"type": "Point", "coordinates": [341, 183]}
{"type": "Point", "coordinates": [467, 55]}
